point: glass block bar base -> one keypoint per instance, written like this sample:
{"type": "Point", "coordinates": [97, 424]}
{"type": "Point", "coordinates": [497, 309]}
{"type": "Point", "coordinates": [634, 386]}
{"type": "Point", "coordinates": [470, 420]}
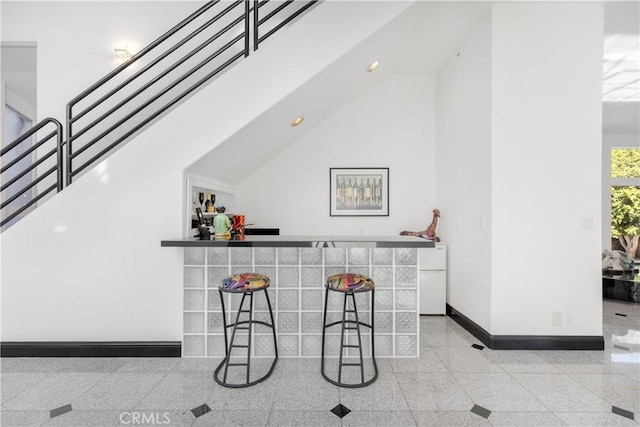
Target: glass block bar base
{"type": "Point", "coordinates": [297, 297]}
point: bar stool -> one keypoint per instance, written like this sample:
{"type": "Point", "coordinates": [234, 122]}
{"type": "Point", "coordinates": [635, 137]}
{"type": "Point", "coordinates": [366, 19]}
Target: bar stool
{"type": "Point", "coordinates": [349, 284]}
{"type": "Point", "coordinates": [247, 284]}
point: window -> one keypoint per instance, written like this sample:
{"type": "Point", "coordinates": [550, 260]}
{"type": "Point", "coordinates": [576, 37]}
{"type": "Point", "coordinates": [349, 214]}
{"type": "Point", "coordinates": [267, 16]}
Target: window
{"type": "Point", "coordinates": [625, 200]}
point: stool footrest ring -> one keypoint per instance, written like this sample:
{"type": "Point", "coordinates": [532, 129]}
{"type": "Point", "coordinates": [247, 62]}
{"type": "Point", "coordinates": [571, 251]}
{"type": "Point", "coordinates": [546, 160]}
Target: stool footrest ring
{"type": "Point", "coordinates": [253, 322]}
{"type": "Point", "coordinates": [339, 322]}
{"type": "Point", "coordinates": [230, 385]}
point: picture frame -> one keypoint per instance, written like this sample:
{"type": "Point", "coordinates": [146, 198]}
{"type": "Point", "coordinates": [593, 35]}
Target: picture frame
{"type": "Point", "coordinates": [359, 192]}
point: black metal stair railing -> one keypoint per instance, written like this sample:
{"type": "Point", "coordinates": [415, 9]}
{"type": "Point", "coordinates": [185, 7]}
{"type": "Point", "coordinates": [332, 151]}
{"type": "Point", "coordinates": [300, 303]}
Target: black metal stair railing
{"type": "Point", "coordinates": [43, 159]}
{"type": "Point", "coordinates": [159, 77]}
{"type": "Point", "coordinates": [123, 103]}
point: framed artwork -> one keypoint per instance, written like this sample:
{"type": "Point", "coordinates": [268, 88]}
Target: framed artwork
{"type": "Point", "coordinates": [359, 192]}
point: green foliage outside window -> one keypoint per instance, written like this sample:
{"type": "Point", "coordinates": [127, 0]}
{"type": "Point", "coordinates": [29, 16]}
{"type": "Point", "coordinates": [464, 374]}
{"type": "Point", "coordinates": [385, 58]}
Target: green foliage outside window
{"type": "Point", "coordinates": [625, 200]}
{"type": "Point", "coordinates": [625, 209]}
{"type": "Point", "coordinates": [625, 163]}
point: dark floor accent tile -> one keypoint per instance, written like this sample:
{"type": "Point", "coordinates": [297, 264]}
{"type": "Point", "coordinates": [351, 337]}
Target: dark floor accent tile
{"type": "Point", "coordinates": [620, 347]}
{"type": "Point", "coordinates": [622, 412]}
{"type": "Point", "coordinates": [479, 410]}
{"type": "Point", "coordinates": [59, 411]}
{"type": "Point", "coordinates": [621, 314]}
{"type": "Point", "coordinates": [200, 410]}
{"type": "Point", "coordinates": [340, 410]}
{"type": "Point", "coordinates": [479, 347]}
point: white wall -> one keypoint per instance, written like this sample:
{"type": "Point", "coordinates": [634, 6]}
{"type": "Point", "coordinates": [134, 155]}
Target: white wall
{"type": "Point", "coordinates": [391, 125]}
{"type": "Point", "coordinates": [88, 265]}
{"type": "Point", "coordinates": [464, 173]}
{"type": "Point", "coordinates": [546, 168]}
{"type": "Point", "coordinates": [609, 141]}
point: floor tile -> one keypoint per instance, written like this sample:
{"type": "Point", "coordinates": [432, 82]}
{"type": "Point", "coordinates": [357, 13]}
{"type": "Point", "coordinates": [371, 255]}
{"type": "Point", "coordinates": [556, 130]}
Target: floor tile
{"type": "Point", "coordinates": [60, 364]}
{"type": "Point", "coordinates": [196, 364]}
{"type": "Point", "coordinates": [560, 393]}
{"type": "Point", "coordinates": [521, 361]}
{"type": "Point", "coordinates": [385, 393]}
{"type": "Point", "coordinates": [179, 391]}
{"type": "Point", "coordinates": [445, 338]}
{"type": "Point", "coordinates": [23, 418]}
{"type": "Point", "coordinates": [148, 364]}
{"type": "Point", "coordinates": [379, 418]}
{"type": "Point", "coordinates": [466, 359]}
{"type": "Point", "coordinates": [385, 363]}
{"type": "Point", "coordinates": [525, 419]}
{"type": "Point", "coordinates": [28, 364]}
{"type": "Point", "coordinates": [312, 418]}
{"type": "Point", "coordinates": [449, 419]}
{"type": "Point", "coordinates": [86, 419]}
{"type": "Point", "coordinates": [232, 418]}
{"type": "Point", "coordinates": [54, 391]}
{"type": "Point", "coordinates": [498, 392]}
{"type": "Point", "coordinates": [616, 389]}
{"type": "Point", "coordinates": [118, 391]}
{"type": "Point", "coordinates": [297, 367]}
{"type": "Point", "coordinates": [254, 398]}
{"type": "Point", "coordinates": [427, 362]}
{"type": "Point", "coordinates": [576, 361]}
{"type": "Point", "coordinates": [14, 383]}
{"type": "Point", "coordinates": [87, 364]}
{"type": "Point", "coordinates": [433, 392]}
{"type": "Point", "coordinates": [313, 394]}
{"type": "Point", "coordinates": [596, 420]}
{"type": "Point", "coordinates": [618, 361]}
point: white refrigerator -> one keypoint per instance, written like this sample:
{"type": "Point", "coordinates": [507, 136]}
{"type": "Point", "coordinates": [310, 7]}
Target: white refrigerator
{"type": "Point", "coordinates": [433, 279]}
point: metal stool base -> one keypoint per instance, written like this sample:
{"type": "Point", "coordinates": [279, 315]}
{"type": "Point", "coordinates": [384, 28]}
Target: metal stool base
{"type": "Point", "coordinates": [225, 363]}
{"type": "Point", "coordinates": [344, 322]}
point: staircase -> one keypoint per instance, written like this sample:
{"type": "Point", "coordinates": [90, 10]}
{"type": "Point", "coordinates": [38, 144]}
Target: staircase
{"type": "Point", "coordinates": [134, 95]}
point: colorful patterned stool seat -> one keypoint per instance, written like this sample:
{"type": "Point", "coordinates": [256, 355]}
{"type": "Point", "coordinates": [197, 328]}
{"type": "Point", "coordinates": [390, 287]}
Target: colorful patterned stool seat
{"type": "Point", "coordinates": [244, 282]}
{"type": "Point", "coordinates": [349, 282]}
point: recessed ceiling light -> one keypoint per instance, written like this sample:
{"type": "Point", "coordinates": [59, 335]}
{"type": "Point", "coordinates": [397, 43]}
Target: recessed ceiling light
{"type": "Point", "coordinates": [297, 121]}
{"type": "Point", "coordinates": [373, 66]}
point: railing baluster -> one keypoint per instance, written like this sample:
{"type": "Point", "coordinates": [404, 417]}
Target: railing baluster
{"type": "Point", "coordinates": [154, 80]}
{"type": "Point", "coordinates": [28, 205]}
{"type": "Point", "coordinates": [156, 97]}
{"type": "Point", "coordinates": [155, 61]}
{"type": "Point", "coordinates": [162, 110]}
{"type": "Point", "coordinates": [57, 150]}
{"type": "Point", "coordinates": [27, 170]}
{"type": "Point", "coordinates": [27, 152]}
{"type": "Point", "coordinates": [28, 187]}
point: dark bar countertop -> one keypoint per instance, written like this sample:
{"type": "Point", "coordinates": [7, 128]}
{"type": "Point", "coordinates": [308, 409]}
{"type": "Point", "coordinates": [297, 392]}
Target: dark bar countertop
{"type": "Point", "coordinates": [303, 242]}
